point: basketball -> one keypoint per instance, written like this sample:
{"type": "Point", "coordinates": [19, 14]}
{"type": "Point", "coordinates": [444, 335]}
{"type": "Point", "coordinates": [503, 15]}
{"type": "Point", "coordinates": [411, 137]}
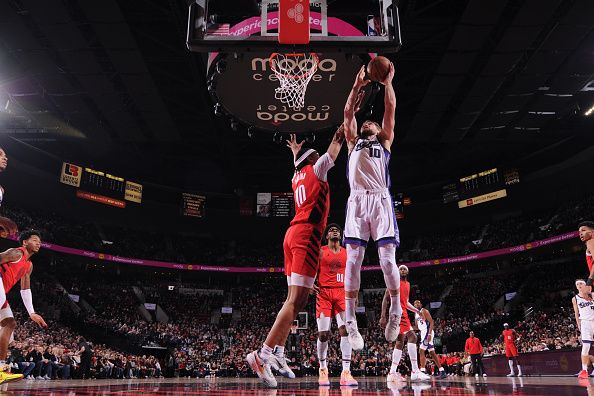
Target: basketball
{"type": "Point", "coordinates": [378, 68]}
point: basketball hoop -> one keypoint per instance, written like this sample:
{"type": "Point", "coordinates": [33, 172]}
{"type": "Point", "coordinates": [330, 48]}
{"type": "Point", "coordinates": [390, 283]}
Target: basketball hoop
{"type": "Point", "coordinates": [294, 72]}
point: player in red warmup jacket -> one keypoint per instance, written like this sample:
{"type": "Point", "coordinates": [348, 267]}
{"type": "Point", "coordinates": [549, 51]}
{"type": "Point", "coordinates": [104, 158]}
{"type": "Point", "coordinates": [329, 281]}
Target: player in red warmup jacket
{"type": "Point", "coordinates": [301, 249]}
{"type": "Point", "coordinates": [511, 351]}
{"type": "Point", "coordinates": [15, 266]}
{"type": "Point", "coordinates": [330, 304]}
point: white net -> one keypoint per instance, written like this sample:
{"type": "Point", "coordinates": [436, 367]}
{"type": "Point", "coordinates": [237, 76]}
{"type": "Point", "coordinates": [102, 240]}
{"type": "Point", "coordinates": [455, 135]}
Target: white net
{"type": "Point", "coordinates": [294, 72]}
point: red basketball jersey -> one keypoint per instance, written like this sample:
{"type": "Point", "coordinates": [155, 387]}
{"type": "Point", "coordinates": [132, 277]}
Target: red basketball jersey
{"type": "Point", "coordinates": [332, 267]}
{"type": "Point", "coordinates": [404, 293]}
{"type": "Point", "coordinates": [590, 261]}
{"type": "Point", "coordinates": [13, 272]}
{"type": "Point", "coordinates": [312, 198]}
{"type": "Point", "coordinates": [508, 338]}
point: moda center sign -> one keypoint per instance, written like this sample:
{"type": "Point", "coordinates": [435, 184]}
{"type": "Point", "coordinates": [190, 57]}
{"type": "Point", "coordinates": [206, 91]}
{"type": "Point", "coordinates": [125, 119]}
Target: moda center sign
{"type": "Point", "coordinates": [244, 84]}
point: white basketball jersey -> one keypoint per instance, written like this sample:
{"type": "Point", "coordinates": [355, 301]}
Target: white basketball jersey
{"type": "Point", "coordinates": [422, 324]}
{"type": "Point", "coordinates": [368, 165]}
{"type": "Point", "coordinates": [585, 308]}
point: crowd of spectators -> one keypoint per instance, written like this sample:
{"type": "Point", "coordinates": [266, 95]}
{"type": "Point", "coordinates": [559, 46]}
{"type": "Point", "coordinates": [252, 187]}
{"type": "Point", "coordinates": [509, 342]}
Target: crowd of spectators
{"type": "Point", "coordinates": [201, 343]}
{"type": "Point", "coordinates": [211, 250]}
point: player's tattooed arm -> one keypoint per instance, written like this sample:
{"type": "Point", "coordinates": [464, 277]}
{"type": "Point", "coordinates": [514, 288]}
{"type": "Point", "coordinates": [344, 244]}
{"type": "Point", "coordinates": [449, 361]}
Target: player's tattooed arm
{"type": "Point", "coordinates": [386, 136]}
{"type": "Point", "coordinates": [10, 255]}
{"type": "Point", "coordinates": [352, 105]}
{"type": "Point", "coordinates": [336, 144]}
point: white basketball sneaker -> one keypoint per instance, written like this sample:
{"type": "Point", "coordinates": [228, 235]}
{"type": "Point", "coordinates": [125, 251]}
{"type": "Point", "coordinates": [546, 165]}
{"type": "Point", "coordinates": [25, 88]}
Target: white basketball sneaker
{"type": "Point", "coordinates": [279, 363]}
{"type": "Point", "coordinates": [355, 338]}
{"type": "Point", "coordinates": [392, 328]}
{"type": "Point", "coordinates": [262, 369]}
{"type": "Point", "coordinates": [419, 376]}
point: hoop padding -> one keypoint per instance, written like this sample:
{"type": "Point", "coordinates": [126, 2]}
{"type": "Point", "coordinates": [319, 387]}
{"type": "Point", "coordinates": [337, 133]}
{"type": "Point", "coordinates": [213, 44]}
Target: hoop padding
{"type": "Point", "coordinates": [294, 72]}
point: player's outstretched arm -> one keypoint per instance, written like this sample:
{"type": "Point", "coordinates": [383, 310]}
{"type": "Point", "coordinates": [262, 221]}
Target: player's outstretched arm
{"type": "Point", "coordinates": [294, 146]}
{"type": "Point", "coordinates": [336, 143]}
{"type": "Point", "coordinates": [28, 299]}
{"type": "Point", "coordinates": [386, 136]}
{"type": "Point", "coordinates": [352, 105]}
{"type": "Point", "coordinates": [10, 255]}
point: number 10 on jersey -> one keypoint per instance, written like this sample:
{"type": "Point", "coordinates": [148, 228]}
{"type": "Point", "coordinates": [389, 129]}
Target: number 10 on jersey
{"type": "Point", "coordinates": [300, 195]}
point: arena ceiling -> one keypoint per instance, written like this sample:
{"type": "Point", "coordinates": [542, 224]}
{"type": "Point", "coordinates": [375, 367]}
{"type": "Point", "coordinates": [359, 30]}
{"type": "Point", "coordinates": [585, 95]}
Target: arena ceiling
{"type": "Point", "coordinates": [112, 84]}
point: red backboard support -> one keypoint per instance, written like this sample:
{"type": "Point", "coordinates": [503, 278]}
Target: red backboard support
{"type": "Point", "coordinates": [293, 22]}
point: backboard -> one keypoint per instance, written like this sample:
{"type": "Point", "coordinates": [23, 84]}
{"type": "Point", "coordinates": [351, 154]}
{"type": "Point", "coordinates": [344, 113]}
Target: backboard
{"type": "Point", "coordinates": [240, 35]}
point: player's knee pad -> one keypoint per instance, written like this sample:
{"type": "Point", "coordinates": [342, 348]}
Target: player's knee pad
{"type": "Point", "coordinates": [387, 258]}
{"type": "Point", "coordinates": [352, 278]}
{"type": "Point", "coordinates": [586, 349]}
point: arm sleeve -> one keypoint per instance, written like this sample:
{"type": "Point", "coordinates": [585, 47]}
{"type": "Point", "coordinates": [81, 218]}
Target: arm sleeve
{"type": "Point", "coordinates": [322, 166]}
{"type": "Point", "coordinates": [28, 300]}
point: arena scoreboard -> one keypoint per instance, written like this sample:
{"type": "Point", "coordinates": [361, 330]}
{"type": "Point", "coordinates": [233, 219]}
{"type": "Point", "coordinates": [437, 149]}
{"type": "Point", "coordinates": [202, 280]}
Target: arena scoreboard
{"type": "Point", "coordinates": [99, 186]}
{"type": "Point", "coordinates": [480, 187]}
{"type": "Point", "coordinates": [193, 205]}
{"type": "Point", "coordinates": [277, 204]}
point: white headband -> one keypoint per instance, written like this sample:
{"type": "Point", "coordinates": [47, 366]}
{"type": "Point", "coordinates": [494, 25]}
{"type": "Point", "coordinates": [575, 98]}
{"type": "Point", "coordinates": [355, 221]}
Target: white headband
{"type": "Point", "coordinates": [403, 266]}
{"type": "Point", "coordinates": [577, 282]}
{"type": "Point", "coordinates": [304, 156]}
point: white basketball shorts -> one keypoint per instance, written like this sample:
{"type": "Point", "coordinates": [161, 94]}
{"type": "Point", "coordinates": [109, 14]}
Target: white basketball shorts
{"type": "Point", "coordinates": [371, 214]}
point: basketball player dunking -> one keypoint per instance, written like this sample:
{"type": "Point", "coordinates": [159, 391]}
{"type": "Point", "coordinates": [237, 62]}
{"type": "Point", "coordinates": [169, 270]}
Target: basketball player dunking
{"type": "Point", "coordinates": [425, 324]}
{"type": "Point", "coordinates": [370, 211]}
{"type": "Point", "coordinates": [586, 233]}
{"type": "Point", "coordinates": [406, 332]}
{"type": "Point", "coordinates": [511, 350]}
{"type": "Point", "coordinates": [15, 265]}
{"type": "Point", "coordinates": [583, 307]}
{"type": "Point", "coordinates": [301, 248]}
{"type": "Point", "coordinates": [330, 304]}
{"type": "Point", "coordinates": [7, 226]}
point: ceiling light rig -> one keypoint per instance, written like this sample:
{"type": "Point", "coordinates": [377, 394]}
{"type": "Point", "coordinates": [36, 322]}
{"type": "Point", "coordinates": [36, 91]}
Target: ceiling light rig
{"type": "Point", "coordinates": [589, 111]}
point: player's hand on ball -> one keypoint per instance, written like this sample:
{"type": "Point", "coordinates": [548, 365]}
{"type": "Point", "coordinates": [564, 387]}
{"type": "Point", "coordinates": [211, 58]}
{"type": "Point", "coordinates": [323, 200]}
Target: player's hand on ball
{"type": "Point", "coordinates": [390, 76]}
{"type": "Point", "coordinates": [8, 226]}
{"type": "Point", "coordinates": [39, 320]}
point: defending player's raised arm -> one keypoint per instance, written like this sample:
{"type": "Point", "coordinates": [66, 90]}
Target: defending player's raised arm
{"type": "Point", "coordinates": [294, 146]}
{"type": "Point", "coordinates": [336, 143]}
{"type": "Point", "coordinates": [10, 255]}
{"type": "Point", "coordinates": [577, 313]}
{"type": "Point", "coordinates": [386, 136]}
{"type": "Point", "coordinates": [28, 298]}
{"type": "Point", "coordinates": [352, 105]}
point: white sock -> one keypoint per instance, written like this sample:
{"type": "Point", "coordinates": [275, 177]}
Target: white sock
{"type": "Point", "coordinates": [511, 366]}
{"type": "Point", "coordinates": [323, 353]}
{"type": "Point", "coordinates": [423, 369]}
{"type": "Point", "coordinates": [519, 370]}
{"type": "Point", "coordinates": [279, 350]}
{"type": "Point", "coordinates": [441, 369]}
{"type": "Point", "coordinates": [412, 354]}
{"type": "Point", "coordinates": [396, 356]}
{"type": "Point", "coordinates": [345, 350]}
{"type": "Point", "coordinates": [350, 305]}
{"type": "Point", "coordinates": [395, 307]}
{"type": "Point", "coordinates": [265, 353]}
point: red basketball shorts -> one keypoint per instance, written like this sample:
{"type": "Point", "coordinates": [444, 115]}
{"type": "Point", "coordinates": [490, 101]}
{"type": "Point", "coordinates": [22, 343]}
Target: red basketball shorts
{"type": "Point", "coordinates": [511, 351]}
{"type": "Point", "coordinates": [330, 302]}
{"type": "Point", "coordinates": [405, 325]}
{"type": "Point", "coordinates": [302, 250]}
